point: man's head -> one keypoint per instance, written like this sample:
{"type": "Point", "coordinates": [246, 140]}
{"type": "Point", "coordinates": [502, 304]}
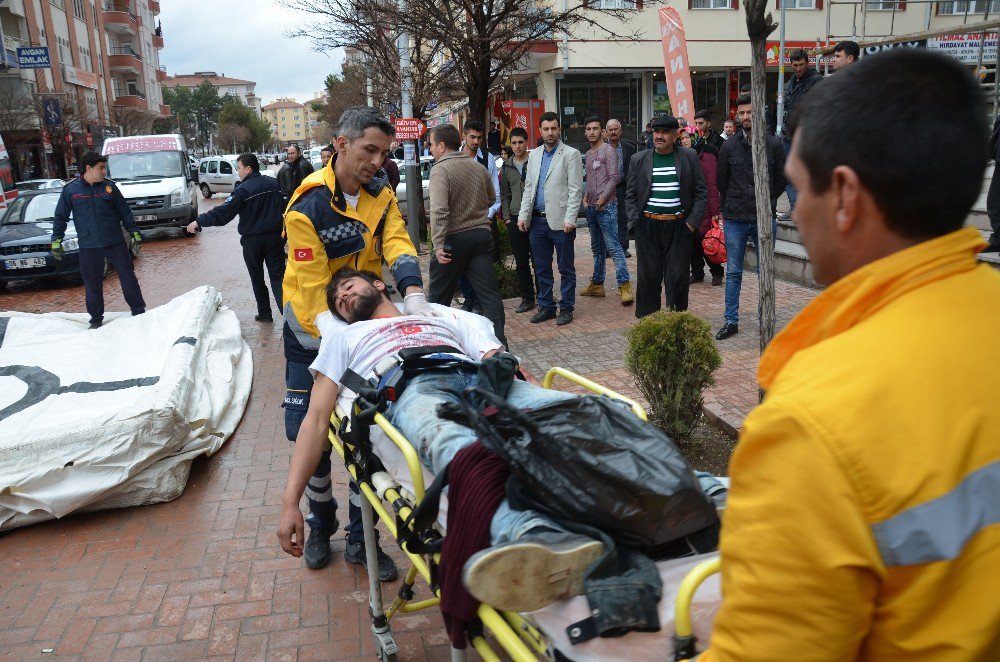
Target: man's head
{"type": "Point", "coordinates": [245, 164]}
{"type": "Point", "coordinates": [472, 132]}
{"type": "Point", "coordinates": [444, 139]}
{"type": "Point", "coordinates": [293, 153]}
{"type": "Point", "coordinates": [326, 154]}
{"type": "Point", "coordinates": [664, 133]}
{"type": "Point", "coordinates": [743, 112]}
{"type": "Point", "coordinates": [866, 187]}
{"type": "Point", "coordinates": [519, 142]}
{"type": "Point", "coordinates": [729, 128]}
{"type": "Point", "coordinates": [354, 295]}
{"type": "Point", "coordinates": [845, 53]}
{"type": "Point", "coordinates": [614, 129]}
{"type": "Point", "coordinates": [800, 62]}
{"type": "Point", "coordinates": [593, 129]}
{"type": "Point", "coordinates": [363, 139]}
{"type": "Point", "coordinates": [548, 126]}
{"type": "Point", "coordinates": [93, 167]}
{"type": "Point", "coordinates": [703, 120]}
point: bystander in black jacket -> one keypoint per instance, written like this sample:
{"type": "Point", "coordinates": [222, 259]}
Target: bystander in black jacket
{"type": "Point", "coordinates": [292, 174]}
{"type": "Point", "coordinates": [795, 89]}
{"type": "Point", "coordinates": [259, 203]}
{"type": "Point", "coordinates": [734, 175]}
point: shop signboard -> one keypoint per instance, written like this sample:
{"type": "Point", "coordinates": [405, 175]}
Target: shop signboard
{"type": "Point", "coordinates": [965, 47]}
{"type": "Point", "coordinates": [408, 128]}
{"type": "Point", "coordinates": [675, 62]}
{"type": "Point", "coordinates": [772, 48]}
{"type": "Point", "coordinates": [33, 57]}
{"type": "Point", "coordinates": [880, 48]}
{"type": "Point", "coordinates": [524, 113]}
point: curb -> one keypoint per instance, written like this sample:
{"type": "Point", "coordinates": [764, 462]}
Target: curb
{"type": "Point", "coordinates": [724, 416]}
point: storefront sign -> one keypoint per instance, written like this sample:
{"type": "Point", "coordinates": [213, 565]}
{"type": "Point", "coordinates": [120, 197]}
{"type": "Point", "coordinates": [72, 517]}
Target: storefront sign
{"type": "Point", "coordinates": [569, 110]}
{"type": "Point", "coordinates": [965, 47]}
{"type": "Point", "coordinates": [873, 50]}
{"type": "Point", "coordinates": [33, 57]}
{"type": "Point", "coordinates": [408, 128]}
{"type": "Point", "coordinates": [53, 113]}
{"type": "Point", "coordinates": [773, 47]}
{"type": "Point", "coordinates": [675, 62]}
{"type": "Point", "coordinates": [81, 77]}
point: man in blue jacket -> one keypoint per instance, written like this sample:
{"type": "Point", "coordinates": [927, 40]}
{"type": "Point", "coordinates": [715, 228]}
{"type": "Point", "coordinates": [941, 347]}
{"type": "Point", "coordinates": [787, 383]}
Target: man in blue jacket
{"type": "Point", "coordinates": [260, 205]}
{"type": "Point", "coordinates": [99, 211]}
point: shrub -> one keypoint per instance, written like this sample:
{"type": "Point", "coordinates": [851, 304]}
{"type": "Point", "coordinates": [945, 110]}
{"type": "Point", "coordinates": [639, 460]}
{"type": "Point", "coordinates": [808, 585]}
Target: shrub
{"type": "Point", "coordinates": [672, 356]}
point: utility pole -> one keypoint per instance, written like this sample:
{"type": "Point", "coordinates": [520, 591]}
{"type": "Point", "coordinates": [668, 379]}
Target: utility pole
{"type": "Point", "coordinates": [781, 74]}
{"type": "Point", "coordinates": [414, 187]}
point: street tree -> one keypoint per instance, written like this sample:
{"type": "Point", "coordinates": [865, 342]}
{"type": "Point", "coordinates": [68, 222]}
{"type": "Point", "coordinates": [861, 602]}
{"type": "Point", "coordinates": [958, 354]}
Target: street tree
{"type": "Point", "coordinates": [474, 42]}
{"type": "Point", "coordinates": [235, 136]}
{"type": "Point", "coordinates": [236, 113]}
{"type": "Point", "coordinates": [196, 109]}
{"type": "Point", "coordinates": [132, 121]}
{"type": "Point", "coordinates": [18, 111]}
{"type": "Point", "coordinates": [342, 92]}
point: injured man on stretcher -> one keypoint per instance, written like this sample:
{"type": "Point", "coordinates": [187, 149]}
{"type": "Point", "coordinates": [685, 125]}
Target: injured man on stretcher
{"type": "Point", "coordinates": [548, 560]}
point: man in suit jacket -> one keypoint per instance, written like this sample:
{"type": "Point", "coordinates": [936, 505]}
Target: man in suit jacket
{"type": "Point", "coordinates": [993, 195]}
{"type": "Point", "coordinates": [626, 151]}
{"type": "Point", "coordinates": [553, 190]}
{"type": "Point", "coordinates": [665, 199]}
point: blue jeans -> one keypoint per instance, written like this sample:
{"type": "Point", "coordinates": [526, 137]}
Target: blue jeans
{"type": "Point", "coordinates": [737, 235]}
{"type": "Point", "coordinates": [543, 240]}
{"type": "Point", "coordinates": [437, 440]}
{"type": "Point", "coordinates": [604, 239]}
{"type": "Point", "coordinates": [789, 189]}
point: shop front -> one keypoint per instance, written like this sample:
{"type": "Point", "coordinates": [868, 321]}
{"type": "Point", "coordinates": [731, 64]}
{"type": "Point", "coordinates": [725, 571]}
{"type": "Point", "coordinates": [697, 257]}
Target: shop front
{"type": "Point", "coordinates": [609, 96]}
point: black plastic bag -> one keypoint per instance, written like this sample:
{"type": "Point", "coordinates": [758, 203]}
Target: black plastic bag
{"type": "Point", "coordinates": [592, 460]}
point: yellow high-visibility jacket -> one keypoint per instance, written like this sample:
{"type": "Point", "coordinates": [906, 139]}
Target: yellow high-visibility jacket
{"type": "Point", "coordinates": [325, 234]}
{"type": "Point", "coordinates": [863, 521]}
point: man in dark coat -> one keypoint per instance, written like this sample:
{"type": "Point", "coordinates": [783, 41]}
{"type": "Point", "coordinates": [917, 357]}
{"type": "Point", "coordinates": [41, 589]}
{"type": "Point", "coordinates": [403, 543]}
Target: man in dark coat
{"type": "Point", "coordinates": [626, 151]}
{"type": "Point", "coordinates": [798, 85]}
{"type": "Point", "coordinates": [293, 171]}
{"type": "Point", "coordinates": [993, 196]}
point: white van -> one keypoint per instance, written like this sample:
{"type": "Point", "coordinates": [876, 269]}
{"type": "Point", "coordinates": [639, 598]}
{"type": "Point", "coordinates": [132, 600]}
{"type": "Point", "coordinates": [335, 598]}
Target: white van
{"type": "Point", "coordinates": [217, 174]}
{"type": "Point", "coordinates": [152, 173]}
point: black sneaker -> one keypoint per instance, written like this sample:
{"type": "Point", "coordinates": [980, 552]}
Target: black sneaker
{"type": "Point", "coordinates": [565, 317]}
{"type": "Point", "coordinates": [355, 553]}
{"type": "Point", "coordinates": [542, 315]}
{"type": "Point", "coordinates": [262, 318]}
{"type": "Point", "coordinates": [318, 547]}
{"type": "Point", "coordinates": [95, 324]}
{"type": "Point", "coordinates": [727, 331]}
{"type": "Point", "coordinates": [525, 306]}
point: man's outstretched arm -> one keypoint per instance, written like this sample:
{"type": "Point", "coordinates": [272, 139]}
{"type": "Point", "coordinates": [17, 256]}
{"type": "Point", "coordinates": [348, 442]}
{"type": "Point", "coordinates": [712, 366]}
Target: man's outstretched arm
{"type": "Point", "coordinates": [309, 447]}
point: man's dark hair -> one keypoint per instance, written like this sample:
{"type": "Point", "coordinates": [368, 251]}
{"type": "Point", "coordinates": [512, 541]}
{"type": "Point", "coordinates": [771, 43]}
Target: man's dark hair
{"type": "Point", "coordinates": [703, 115]}
{"type": "Point", "coordinates": [742, 100]}
{"type": "Point", "coordinates": [798, 55]}
{"type": "Point", "coordinates": [249, 161]}
{"type": "Point", "coordinates": [592, 119]}
{"type": "Point", "coordinates": [295, 147]}
{"type": "Point", "coordinates": [519, 132]}
{"type": "Point", "coordinates": [848, 48]}
{"type": "Point", "coordinates": [327, 148]}
{"type": "Point", "coordinates": [474, 125]}
{"type": "Point", "coordinates": [548, 116]}
{"type": "Point", "coordinates": [356, 120]}
{"type": "Point", "coordinates": [91, 159]}
{"type": "Point", "coordinates": [508, 150]}
{"type": "Point", "coordinates": [447, 134]}
{"type": "Point", "coordinates": [924, 187]}
{"type": "Point", "coordinates": [346, 273]}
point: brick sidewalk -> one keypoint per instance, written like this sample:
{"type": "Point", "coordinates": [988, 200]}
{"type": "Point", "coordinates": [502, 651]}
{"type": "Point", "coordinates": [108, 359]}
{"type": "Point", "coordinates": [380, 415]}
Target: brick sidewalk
{"type": "Point", "coordinates": [202, 577]}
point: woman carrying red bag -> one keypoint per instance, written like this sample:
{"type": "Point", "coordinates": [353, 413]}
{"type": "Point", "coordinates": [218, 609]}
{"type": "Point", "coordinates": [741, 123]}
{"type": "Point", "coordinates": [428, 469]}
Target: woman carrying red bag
{"type": "Point", "coordinates": [707, 156]}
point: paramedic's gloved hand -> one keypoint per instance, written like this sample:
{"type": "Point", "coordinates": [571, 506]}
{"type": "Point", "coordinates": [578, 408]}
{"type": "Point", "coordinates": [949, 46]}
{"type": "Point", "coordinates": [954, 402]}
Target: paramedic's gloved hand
{"type": "Point", "coordinates": [57, 250]}
{"type": "Point", "coordinates": [415, 303]}
{"type": "Point", "coordinates": [136, 242]}
{"type": "Point", "coordinates": [291, 531]}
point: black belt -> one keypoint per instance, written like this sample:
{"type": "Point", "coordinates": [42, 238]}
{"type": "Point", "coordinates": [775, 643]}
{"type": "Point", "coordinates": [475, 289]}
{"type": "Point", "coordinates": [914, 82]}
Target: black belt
{"type": "Point", "coordinates": [539, 214]}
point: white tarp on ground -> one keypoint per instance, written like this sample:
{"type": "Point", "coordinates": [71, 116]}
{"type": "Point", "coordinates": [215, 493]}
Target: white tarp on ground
{"type": "Point", "coordinates": [113, 417]}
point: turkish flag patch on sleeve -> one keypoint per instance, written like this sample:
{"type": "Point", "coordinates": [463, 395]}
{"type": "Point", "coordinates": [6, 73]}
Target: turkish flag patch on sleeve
{"type": "Point", "coordinates": [303, 254]}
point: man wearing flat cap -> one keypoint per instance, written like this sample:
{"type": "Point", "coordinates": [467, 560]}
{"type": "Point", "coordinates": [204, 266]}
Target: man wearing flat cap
{"type": "Point", "coordinates": [665, 200]}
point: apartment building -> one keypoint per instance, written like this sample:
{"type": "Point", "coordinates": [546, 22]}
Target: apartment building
{"type": "Point", "coordinates": [243, 89]}
{"type": "Point", "coordinates": [290, 122]}
{"type": "Point", "coordinates": [100, 68]}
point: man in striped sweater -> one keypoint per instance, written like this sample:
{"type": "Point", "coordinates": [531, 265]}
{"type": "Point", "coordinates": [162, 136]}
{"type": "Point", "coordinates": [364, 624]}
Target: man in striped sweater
{"type": "Point", "coordinates": [665, 200]}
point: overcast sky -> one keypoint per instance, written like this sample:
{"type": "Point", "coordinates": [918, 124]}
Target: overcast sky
{"type": "Point", "coordinates": [244, 39]}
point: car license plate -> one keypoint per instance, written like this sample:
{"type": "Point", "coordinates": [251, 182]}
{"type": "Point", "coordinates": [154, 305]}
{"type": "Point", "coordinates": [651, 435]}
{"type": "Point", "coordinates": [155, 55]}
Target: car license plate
{"type": "Point", "coordinates": [145, 217]}
{"type": "Point", "coordinates": [25, 263]}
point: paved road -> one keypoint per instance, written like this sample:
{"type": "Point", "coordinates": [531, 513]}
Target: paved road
{"type": "Point", "coordinates": [202, 576]}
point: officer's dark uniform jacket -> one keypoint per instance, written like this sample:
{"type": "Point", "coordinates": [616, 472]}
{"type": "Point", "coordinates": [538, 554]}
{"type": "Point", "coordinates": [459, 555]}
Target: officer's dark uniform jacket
{"type": "Point", "coordinates": [325, 234]}
{"type": "Point", "coordinates": [257, 200]}
{"type": "Point", "coordinates": [98, 210]}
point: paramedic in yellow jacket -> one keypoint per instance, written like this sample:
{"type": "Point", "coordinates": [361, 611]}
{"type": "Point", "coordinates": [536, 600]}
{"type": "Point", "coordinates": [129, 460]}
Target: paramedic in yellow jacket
{"type": "Point", "coordinates": [863, 521]}
{"type": "Point", "coordinates": [344, 215]}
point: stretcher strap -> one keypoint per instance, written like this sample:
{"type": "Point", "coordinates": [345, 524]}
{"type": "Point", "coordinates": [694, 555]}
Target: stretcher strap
{"type": "Point", "coordinates": [417, 530]}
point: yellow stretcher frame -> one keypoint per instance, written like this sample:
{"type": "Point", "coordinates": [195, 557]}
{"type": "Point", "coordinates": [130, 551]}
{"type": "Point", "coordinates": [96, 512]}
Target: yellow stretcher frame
{"type": "Point", "coordinates": [519, 639]}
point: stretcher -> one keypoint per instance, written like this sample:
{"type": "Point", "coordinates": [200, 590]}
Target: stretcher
{"type": "Point", "coordinates": [391, 495]}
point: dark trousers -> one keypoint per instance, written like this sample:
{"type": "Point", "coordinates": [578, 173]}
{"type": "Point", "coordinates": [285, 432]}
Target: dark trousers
{"type": "Point", "coordinates": [663, 256]}
{"type": "Point", "coordinates": [543, 241]}
{"type": "Point", "coordinates": [260, 250]}
{"type": "Point", "coordinates": [471, 256]}
{"type": "Point", "coordinates": [622, 219]}
{"type": "Point", "coordinates": [319, 491]}
{"type": "Point", "coordinates": [520, 245]}
{"type": "Point", "coordinates": [698, 261]}
{"type": "Point", "coordinates": [993, 207]}
{"type": "Point", "coordinates": [92, 272]}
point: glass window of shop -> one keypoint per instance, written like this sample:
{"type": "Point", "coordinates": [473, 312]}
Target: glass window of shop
{"type": "Point", "coordinates": [710, 93]}
{"type": "Point", "coordinates": [615, 97]}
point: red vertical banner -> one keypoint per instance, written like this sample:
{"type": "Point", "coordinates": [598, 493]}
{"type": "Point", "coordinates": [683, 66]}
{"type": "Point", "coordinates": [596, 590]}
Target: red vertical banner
{"type": "Point", "coordinates": [675, 63]}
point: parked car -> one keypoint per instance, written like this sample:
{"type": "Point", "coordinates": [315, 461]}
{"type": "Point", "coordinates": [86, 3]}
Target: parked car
{"type": "Point", "coordinates": [426, 163]}
{"type": "Point", "coordinates": [193, 166]}
{"type": "Point", "coordinates": [38, 184]}
{"type": "Point", "coordinates": [217, 174]}
{"type": "Point", "coordinates": [26, 240]}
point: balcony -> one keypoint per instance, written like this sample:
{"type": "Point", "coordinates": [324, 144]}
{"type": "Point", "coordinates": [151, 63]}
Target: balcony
{"type": "Point", "coordinates": [157, 42]}
{"type": "Point", "coordinates": [119, 20]}
{"type": "Point", "coordinates": [161, 74]}
{"type": "Point", "coordinates": [154, 7]}
{"type": "Point", "coordinates": [137, 101]}
{"type": "Point", "coordinates": [124, 59]}
{"type": "Point", "coordinates": [165, 110]}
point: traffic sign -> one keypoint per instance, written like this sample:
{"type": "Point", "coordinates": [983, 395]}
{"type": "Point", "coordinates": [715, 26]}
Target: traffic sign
{"type": "Point", "coordinates": [409, 128]}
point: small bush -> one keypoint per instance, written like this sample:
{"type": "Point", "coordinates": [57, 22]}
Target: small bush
{"type": "Point", "coordinates": [672, 356]}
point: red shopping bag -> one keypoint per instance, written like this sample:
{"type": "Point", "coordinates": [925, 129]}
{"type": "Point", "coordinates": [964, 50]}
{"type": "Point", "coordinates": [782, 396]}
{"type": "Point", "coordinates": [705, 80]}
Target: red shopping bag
{"type": "Point", "coordinates": [714, 243]}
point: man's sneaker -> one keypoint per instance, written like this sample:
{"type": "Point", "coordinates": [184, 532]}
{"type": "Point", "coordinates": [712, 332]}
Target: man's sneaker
{"type": "Point", "coordinates": [318, 546]}
{"type": "Point", "coordinates": [531, 572]}
{"type": "Point", "coordinates": [355, 553]}
{"type": "Point", "coordinates": [785, 216]}
{"type": "Point", "coordinates": [717, 280]}
{"type": "Point", "coordinates": [542, 315]}
{"type": "Point", "coordinates": [727, 331]}
{"type": "Point", "coordinates": [593, 290]}
{"type": "Point", "coordinates": [626, 293]}
{"type": "Point", "coordinates": [565, 317]}
{"type": "Point", "coordinates": [95, 324]}
{"type": "Point", "coordinates": [525, 306]}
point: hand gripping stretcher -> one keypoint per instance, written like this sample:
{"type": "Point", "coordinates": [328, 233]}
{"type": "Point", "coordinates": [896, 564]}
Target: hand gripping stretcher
{"type": "Point", "coordinates": [392, 482]}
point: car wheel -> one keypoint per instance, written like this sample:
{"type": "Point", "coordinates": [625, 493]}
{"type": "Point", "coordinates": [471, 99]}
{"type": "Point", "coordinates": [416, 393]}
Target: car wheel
{"type": "Point", "coordinates": [205, 191]}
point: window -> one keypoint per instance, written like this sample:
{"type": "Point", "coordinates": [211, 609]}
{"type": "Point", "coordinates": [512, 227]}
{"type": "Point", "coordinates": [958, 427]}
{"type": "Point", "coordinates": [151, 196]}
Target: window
{"type": "Point", "coordinates": [225, 168]}
{"type": "Point", "coordinates": [804, 4]}
{"type": "Point", "coordinates": [613, 4]}
{"type": "Point", "coordinates": [59, 3]}
{"type": "Point", "coordinates": [79, 10]}
{"type": "Point", "coordinates": [203, 168]}
{"type": "Point", "coordinates": [213, 167]}
{"type": "Point", "coordinates": [710, 4]}
{"type": "Point", "coordinates": [972, 6]}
